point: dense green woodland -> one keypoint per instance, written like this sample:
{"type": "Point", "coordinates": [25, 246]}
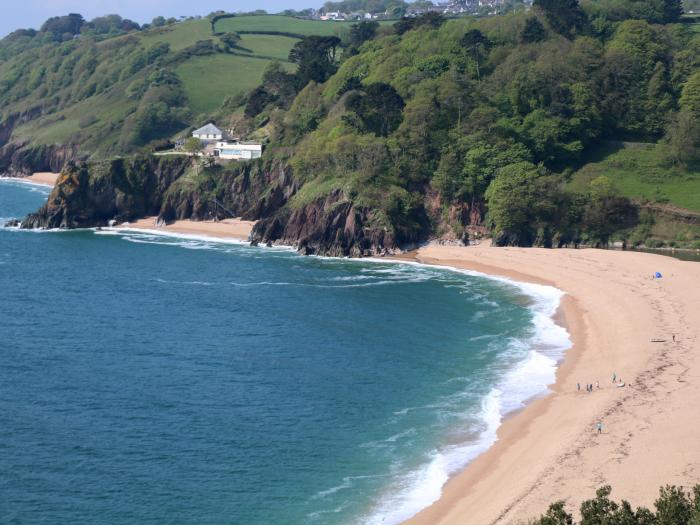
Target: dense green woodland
{"type": "Point", "coordinates": [562, 125]}
{"type": "Point", "coordinates": [674, 506]}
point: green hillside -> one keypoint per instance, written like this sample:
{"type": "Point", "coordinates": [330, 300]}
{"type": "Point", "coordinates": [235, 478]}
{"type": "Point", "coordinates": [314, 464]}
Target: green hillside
{"type": "Point", "coordinates": [83, 91]}
{"type": "Point", "coordinates": [273, 46]}
{"type": "Point", "coordinates": [548, 127]}
{"type": "Point", "coordinates": [208, 80]}
{"type": "Point", "coordinates": [179, 36]}
{"type": "Point", "coordinates": [283, 24]}
{"type": "Point", "coordinates": [644, 173]}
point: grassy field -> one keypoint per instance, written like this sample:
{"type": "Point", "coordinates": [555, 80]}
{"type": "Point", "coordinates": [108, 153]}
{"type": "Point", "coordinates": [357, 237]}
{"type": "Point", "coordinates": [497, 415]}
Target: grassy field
{"type": "Point", "coordinates": [286, 24]}
{"type": "Point", "coordinates": [274, 46]}
{"type": "Point", "coordinates": [208, 80]}
{"type": "Point", "coordinates": [180, 35]}
{"type": "Point", "coordinates": [643, 173]}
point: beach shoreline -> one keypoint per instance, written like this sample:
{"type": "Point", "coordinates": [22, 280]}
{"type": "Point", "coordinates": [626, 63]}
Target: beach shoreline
{"type": "Point", "coordinates": [226, 229]}
{"type": "Point", "coordinates": [549, 450]}
{"type": "Point", "coordinates": [39, 178]}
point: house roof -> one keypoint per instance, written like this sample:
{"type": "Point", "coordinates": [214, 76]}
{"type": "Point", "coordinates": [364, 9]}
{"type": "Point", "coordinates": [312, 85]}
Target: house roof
{"type": "Point", "coordinates": [209, 129]}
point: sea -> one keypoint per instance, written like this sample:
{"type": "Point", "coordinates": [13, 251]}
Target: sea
{"type": "Point", "coordinates": [174, 379]}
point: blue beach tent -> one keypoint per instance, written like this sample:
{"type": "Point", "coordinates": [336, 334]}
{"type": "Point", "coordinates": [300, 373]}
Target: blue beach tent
{"type": "Point", "coordinates": [658, 275]}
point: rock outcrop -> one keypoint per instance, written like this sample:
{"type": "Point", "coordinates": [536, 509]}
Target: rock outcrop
{"type": "Point", "coordinates": [251, 190]}
{"type": "Point", "coordinates": [92, 194]}
{"type": "Point", "coordinates": [19, 160]}
{"type": "Point", "coordinates": [333, 225]}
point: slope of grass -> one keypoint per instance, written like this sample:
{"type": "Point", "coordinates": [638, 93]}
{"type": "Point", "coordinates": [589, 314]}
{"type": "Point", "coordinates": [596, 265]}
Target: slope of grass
{"type": "Point", "coordinates": [274, 46]}
{"type": "Point", "coordinates": [179, 36]}
{"type": "Point", "coordinates": [285, 24]}
{"type": "Point", "coordinates": [208, 80]}
{"type": "Point", "coordinates": [643, 173]}
{"type": "Point", "coordinates": [109, 111]}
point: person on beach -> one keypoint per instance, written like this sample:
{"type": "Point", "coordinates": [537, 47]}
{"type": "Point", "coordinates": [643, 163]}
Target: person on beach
{"type": "Point", "coordinates": [614, 377]}
{"type": "Point", "coordinates": [597, 384]}
{"type": "Point", "coordinates": [674, 338]}
{"type": "Point", "coordinates": [600, 427]}
{"type": "Point", "coordinates": [578, 386]}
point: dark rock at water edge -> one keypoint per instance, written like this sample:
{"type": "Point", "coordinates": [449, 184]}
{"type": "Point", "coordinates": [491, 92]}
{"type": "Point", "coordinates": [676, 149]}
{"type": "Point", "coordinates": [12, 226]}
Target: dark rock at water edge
{"type": "Point", "coordinates": [92, 194]}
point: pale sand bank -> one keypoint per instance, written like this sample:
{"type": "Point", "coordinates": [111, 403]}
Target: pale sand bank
{"type": "Point", "coordinates": [224, 229]}
{"type": "Point", "coordinates": [46, 179]}
{"type": "Point", "coordinates": [651, 430]}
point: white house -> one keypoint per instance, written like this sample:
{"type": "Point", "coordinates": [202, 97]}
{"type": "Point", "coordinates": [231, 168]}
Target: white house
{"type": "Point", "coordinates": [238, 150]}
{"type": "Point", "coordinates": [209, 133]}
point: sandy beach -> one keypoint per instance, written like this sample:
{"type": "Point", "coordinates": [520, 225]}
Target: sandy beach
{"type": "Point", "coordinates": [551, 450]}
{"type": "Point", "coordinates": [224, 229]}
{"type": "Point", "coordinates": [46, 179]}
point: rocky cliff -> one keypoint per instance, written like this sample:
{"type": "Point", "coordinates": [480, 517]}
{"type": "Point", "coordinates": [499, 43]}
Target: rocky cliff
{"type": "Point", "coordinates": [332, 226]}
{"type": "Point", "coordinates": [19, 160]}
{"type": "Point", "coordinates": [90, 194]}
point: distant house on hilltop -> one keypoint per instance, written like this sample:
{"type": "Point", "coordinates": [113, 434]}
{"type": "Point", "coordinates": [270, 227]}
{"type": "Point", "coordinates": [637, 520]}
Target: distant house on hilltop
{"type": "Point", "coordinates": [209, 133]}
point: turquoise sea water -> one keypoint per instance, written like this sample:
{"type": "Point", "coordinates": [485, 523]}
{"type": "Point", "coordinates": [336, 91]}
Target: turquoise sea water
{"type": "Point", "coordinates": [160, 379]}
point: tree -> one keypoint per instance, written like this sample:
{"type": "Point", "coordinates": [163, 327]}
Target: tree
{"type": "Point", "coordinates": [430, 19]}
{"type": "Point", "coordinates": [690, 96]}
{"type": "Point", "coordinates": [599, 510]}
{"type": "Point", "coordinates": [315, 56]}
{"type": "Point", "coordinates": [671, 10]}
{"type": "Point", "coordinates": [360, 33]}
{"type": "Point", "coordinates": [110, 24]}
{"type": "Point", "coordinates": [379, 108]}
{"type": "Point", "coordinates": [511, 198]}
{"type": "Point", "coordinates": [257, 101]}
{"type": "Point", "coordinates": [533, 31]}
{"type": "Point", "coordinates": [230, 40]}
{"type": "Point", "coordinates": [673, 507]}
{"type": "Point", "coordinates": [193, 146]}
{"type": "Point", "coordinates": [564, 16]}
{"type": "Point", "coordinates": [556, 515]}
{"type": "Point", "coordinates": [278, 87]}
{"type": "Point", "coordinates": [477, 46]}
{"type": "Point", "coordinates": [683, 137]}
{"type": "Point", "coordinates": [471, 163]}
{"type": "Point", "coordinates": [605, 213]}
{"type": "Point", "coordinates": [64, 25]}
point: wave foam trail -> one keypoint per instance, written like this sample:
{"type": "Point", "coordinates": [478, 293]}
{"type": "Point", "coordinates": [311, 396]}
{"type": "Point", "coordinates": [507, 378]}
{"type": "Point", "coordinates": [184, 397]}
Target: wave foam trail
{"type": "Point", "coordinates": [529, 376]}
{"type": "Point", "coordinates": [423, 487]}
{"type": "Point", "coordinates": [33, 187]}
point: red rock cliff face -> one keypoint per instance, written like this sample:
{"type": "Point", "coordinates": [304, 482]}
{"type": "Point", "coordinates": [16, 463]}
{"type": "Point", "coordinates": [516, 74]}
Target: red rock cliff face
{"type": "Point", "coordinates": [331, 226]}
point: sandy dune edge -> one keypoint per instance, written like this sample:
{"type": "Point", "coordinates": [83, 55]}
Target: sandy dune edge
{"type": "Point", "coordinates": [651, 431]}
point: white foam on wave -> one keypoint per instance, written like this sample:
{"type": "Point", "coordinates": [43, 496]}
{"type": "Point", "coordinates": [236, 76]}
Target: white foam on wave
{"type": "Point", "coordinates": [138, 234]}
{"type": "Point", "coordinates": [34, 187]}
{"type": "Point", "coordinates": [529, 377]}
